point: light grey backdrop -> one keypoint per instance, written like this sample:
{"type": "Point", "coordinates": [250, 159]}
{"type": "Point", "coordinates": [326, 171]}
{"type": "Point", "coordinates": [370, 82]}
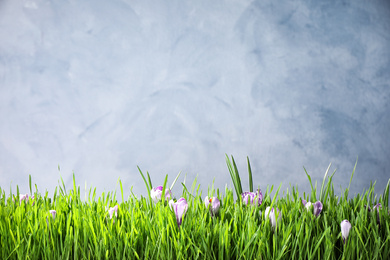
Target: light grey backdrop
{"type": "Point", "coordinates": [99, 87]}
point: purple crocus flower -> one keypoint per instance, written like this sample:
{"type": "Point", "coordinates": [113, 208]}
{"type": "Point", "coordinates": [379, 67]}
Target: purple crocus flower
{"type": "Point", "coordinates": [156, 194]}
{"type": "Point", "coordinates": [113, 210]}
{"type": "Point", "coordinates": [345, 227]}
{"type": "Point", "coordinates": [253, 198]}
{"type": "Point", "coordinates": [180, 208]}
{"type": "Point", "coordinates": [23, 197]}
{"type": "Point", "coordinates": [215, 204]}
{"type": "Point", "coordinates": [53, 213]}
{"type": "Point", "coordinates": [271, 213]}
{"type": "Point", "coordinates": [317, 207]}
{"type": "Point", "coordinates": [377, 207]}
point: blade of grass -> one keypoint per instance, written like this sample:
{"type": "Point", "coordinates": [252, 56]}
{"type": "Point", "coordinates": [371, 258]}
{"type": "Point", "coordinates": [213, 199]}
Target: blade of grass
{"type": "Point", "coordinates": [120, 184]}
{"type": "Point", "coordinates": [29, 183]}
{"type": "Point", "coordinates": [323, 182]}
{"type": "Point", "coordinates": [237, 176]}
{"type": "Point", "coordinates": [232, 175]}
{"type": "Point", "coordinates": [385, 198]}
{"type": "Point", "coordinates": [174, 181]}
{"type": "Point", "coordinates": [250, 175]}
{"type": "Point", "coordinates": [146, 184]}
{"type": "Point", "coordinates": [164, 187]}
{"type": "Point", "coordinates": [149, 180]}
{"type": "Point", "coordinates": [313, 191]}
{"type": "Point", "coordinates": [349, 185]}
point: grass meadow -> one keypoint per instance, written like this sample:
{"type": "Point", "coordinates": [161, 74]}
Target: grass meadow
{"type": "Point", "coordinates": [62, 225]}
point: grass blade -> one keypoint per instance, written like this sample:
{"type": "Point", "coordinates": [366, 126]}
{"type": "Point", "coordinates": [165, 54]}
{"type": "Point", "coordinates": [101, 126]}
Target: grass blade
{"type": "Point", "coordinates": [250, 175]}
{"type": "Point", "coordinates": [323, 182]}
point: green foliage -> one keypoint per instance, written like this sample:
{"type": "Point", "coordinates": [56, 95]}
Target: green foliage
{"type": "Point", "coordinates": [235, 176]}
{"type": "Point", "coordinates": [146, 230]}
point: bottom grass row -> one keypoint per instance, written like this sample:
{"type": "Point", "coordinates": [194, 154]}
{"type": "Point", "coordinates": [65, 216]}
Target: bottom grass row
{"type": "Point", "coordinates": [193, 225]}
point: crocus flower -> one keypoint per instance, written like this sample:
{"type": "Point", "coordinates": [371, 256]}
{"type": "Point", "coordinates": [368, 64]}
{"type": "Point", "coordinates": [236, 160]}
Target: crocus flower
{"type": "Point", "coordinates": [180, 208]}
{"type": "Point", "coordinates": [377, 207]}
{"type": "Point", "coordinates": [53, 213]}
{"type": "Point", "coordinates": [345, 227]}
{"type": "Point", "coordinates": [317, 207]}
{"type": "Point", "coordinates": [113, 210]}
{"type": "Point", "coordinates": [254, 198]}
{"type": "Point", "coordinates": [23, 197]}
{"type": "Point", "coordinates": [272, 215]}
{"type": "Point", "coordinates": [156, 194]}
{"type": "Point", "coordinates": [215, 204]}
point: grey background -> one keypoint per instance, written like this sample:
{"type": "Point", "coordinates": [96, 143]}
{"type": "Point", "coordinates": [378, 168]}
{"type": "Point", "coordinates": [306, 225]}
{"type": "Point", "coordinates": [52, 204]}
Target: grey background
{"type": "Point", "coordinates": [99, 87]}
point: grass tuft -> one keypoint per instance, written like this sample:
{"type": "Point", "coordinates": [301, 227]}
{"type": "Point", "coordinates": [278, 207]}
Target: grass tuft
{"type": "Point", "coordinates": [142, 229]}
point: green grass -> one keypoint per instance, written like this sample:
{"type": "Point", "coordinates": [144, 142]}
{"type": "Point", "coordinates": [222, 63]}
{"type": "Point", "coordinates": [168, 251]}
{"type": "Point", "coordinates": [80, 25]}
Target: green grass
{"type": "Point", "coordinates": [147, 230]}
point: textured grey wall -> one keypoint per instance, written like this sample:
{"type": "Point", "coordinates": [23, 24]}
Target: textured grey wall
{"type": "Point", "coordinates": [99, 87]}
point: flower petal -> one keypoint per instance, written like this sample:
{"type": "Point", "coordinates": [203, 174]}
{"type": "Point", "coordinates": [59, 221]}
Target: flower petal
{"type": "Point", "coordinates": [308, 205]}
{"type": "Point", "coordinates": [272, 215]}
{"type": "Point", "coordinates": [156, 193]}
{"type": "Point", "coordinates": [206, 201]}
{"type": "Point", "coordinates": [53, 213]}
{"type": "Point", "coordinates": [317, 208]}
{"type": "Point", "coordinates": [23, 197]}
{"type": "Point", "coordinates": [215, 204]}
{"type": "Point", "coordinates": [259, 197]}
{"type": "Point", "coordinates": [171, 204]}
{"type": "Point", "coordinates": [267, 211]}
{"type": "Point", "coordinates": [180, 208]}
{"type": "Point", "coordinates": [113, 210]}
{"type": "Point", "coordinates": [345, 228]}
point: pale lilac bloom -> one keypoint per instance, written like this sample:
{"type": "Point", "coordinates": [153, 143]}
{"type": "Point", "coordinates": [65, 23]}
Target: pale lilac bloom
{"type": "Point", "coordinates": [179, 208]}
{"type": "Point", "coordinates": [253, 198]}
{"type": "Point", "coordinates": [317, 207]}
{"type": "Point", "coordinates": [271, 213]}
{"type": "Point", "coordinates": [213, 204]}
{"type": "Point", "coordinates": [113, 210]}
{"type": "Point", "coordinates": [377, 207]}
{"type": "Point", "coordinates": [156, 194]}
{"type": "Point", "coordinates": [53, 213]}
{"type": "Point", "coordinates": [23, 197]}
{"type": "Point", "coordinates": [345, 227]}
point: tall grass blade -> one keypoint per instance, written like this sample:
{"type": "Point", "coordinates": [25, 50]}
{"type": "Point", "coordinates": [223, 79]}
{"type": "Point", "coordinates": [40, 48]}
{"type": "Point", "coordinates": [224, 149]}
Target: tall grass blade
{"type": "Point", "coordinates": [174, 181]}
{"type": "Point", "coordinates": [164, 187]}
{"type": "Point", "coordinates": [146, 184]}
{"type": "Point", "coordinates": [237, 176]}
{"type": "Point", "coordinates": [120, 185]}
{"type": "Point", "coordinates": [250, 175]}
{"type": "Point", "coordinates": [349, 185]}
{"type": "Point", "coordinates": [233, 176]}
{"type": "Point", "coordinates": [385, 198]}
{"type": "Point", "coordinates": [323, 183]}
{"type": "Point", "coordinates": [313, 191]}
{"type": "Point", "coordinates": [149, 180]}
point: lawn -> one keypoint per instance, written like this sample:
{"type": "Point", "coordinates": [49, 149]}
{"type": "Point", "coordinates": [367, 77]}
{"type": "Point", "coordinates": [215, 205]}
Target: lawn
{"type": "Point", "coordinates": [228, 224]}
